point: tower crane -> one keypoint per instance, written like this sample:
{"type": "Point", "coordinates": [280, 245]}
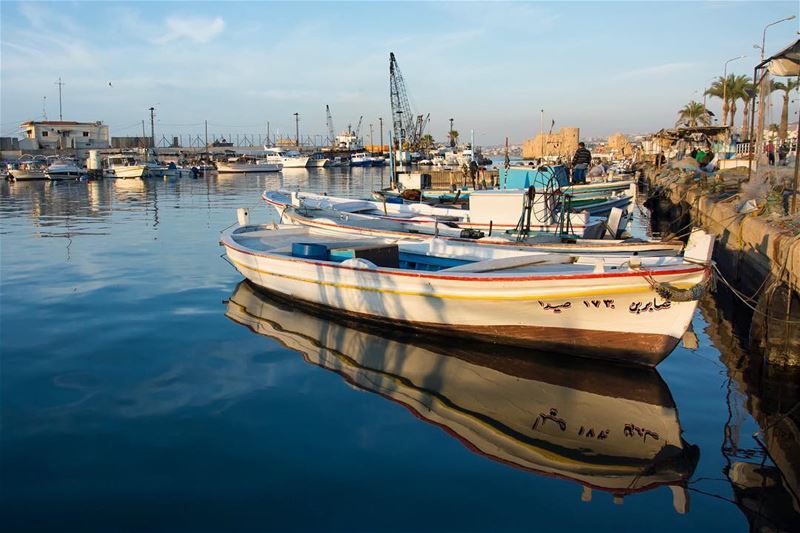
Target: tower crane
{"type": "Point", "coordinates": [358, 128]}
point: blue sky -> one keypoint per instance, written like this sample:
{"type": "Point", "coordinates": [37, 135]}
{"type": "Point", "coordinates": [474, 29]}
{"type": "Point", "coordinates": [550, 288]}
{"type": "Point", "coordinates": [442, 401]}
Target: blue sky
{"type": "Point", "coordinates": [601, 66]}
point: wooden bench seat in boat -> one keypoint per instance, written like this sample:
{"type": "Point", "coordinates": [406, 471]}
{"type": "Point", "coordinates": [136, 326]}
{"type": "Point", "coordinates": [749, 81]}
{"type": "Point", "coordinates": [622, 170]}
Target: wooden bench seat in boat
{"type": "Point", "coordinates": [508, 263]}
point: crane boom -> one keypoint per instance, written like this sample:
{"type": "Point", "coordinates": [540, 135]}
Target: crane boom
{"type": "Point", "coordinates": [358, 128]}
{"type": "Point", "coordinates": [331, 130]}
{"type": "Point", "coordinates": [402, 118]}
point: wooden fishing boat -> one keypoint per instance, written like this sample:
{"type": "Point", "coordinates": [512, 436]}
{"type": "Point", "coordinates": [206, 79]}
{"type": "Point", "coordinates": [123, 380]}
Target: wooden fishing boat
{"type": "Point", "coordinates": [495, 210]}
{"type": "Point", "coordinates": [357, 224]}
{"type": "Point", "coordinates": [597, 201]}
{"type": "Point", "coordinates": [632, 310]}
{"type": "Point", "coordinates": [605, 427]}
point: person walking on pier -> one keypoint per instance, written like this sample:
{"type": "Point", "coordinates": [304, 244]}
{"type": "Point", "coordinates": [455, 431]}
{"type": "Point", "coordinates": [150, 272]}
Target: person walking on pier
{"type": "Point", "coordinates": [580, 162]}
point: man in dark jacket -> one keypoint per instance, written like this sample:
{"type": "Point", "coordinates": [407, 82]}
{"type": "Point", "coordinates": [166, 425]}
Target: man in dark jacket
{"type": "Point", "coordinates": [580, 162]}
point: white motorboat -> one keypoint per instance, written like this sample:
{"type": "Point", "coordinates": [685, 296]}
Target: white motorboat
{"type": "Point", "coordinates": [626, 309]}
{"type": "Point", "coordinates": [286, 158]}
{"type": "Point", "coordinates": [125, 165]}
{"type": "Point", "coordinates": [606, 427]}
{"type": "Point", "coordinates": [243, 165]}
{"type": "Point", "coordinates": [28, 168]}
{"type": "Point", "coordinates": [63, 169]}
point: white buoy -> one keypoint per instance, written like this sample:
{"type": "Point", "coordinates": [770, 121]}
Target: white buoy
{"type": "Point", "coordinates": [243, 215]}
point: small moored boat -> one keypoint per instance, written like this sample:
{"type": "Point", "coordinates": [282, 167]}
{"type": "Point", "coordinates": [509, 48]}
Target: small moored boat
{"type": "Point", "coordinates": [630, 310]}
{"type": "Point", "coordinates": [492, 210]}
{"type": "Point", "coordinates": [244, 164]}
{"type": "Point", "coordinates": [125, 165]}
{"type": "Point", "coordinates": [28, 168]}
{"type": "Point", "coordinates": [63, 169]}
{"type": "Point", "coordinates": [357, 224]}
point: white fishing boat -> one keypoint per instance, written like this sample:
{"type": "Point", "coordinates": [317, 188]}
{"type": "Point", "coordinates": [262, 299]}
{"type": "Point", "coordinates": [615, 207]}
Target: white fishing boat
{"type": "Point", "coordinates": [28, 168]}
{"type": "Point", "coordinates": [125, 165]}
{"type": "Point", "coordinates": [489, 211]}
{"type": "Point", "coordinates": [286, 158]}
{"type": "Point", "coordinates": [318, 160]}
{"type": "Point", "coordinates": [627, 309]}
{"type": "Point", "coordinates": [245, 164]}
{"type": "Point", "coordinates": [355, 224]}
{"type": "Point", "coordinates": [361, 159]}
{"type": "Point", "coordinates": [605, 427]}
{"type": "Point", "coordinates": [63, 169]}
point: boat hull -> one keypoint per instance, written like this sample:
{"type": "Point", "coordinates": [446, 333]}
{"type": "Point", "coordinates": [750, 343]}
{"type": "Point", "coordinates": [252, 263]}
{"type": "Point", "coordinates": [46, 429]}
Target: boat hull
{"type": "Point", "coordinates": [133, 171]}
{"type": "Point", "coordinates": [232, 168]}
{"type": "Point", "coordinates": [643, 349]}
{"type": "Point", "coordinates": [27, 175]}
{"type": "Point", "coordinates": [57, 176]}
{"type": "Point", "coordinates": [295, 162]}
{"type": "Point", "coordinates": [613, 316]}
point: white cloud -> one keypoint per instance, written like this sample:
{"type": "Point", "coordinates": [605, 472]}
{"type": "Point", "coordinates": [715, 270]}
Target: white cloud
{"type": "Point", "coordinates": [196, 29]}
{"type": "Point", "coordinates": [659, 71]}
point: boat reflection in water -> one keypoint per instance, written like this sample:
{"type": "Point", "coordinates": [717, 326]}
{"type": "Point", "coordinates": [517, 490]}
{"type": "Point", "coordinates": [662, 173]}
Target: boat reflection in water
{"type": "Point", "coordinates": [608, 428]}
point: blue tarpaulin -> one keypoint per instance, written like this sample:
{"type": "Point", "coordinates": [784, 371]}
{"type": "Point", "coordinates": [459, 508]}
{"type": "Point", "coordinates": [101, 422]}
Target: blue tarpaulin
{"type": "Point", "coordinates": [524, 177]}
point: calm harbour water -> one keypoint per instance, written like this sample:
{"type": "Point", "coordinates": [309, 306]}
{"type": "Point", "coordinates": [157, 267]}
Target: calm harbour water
{"type": "Point", "coordinates": [143, 388]}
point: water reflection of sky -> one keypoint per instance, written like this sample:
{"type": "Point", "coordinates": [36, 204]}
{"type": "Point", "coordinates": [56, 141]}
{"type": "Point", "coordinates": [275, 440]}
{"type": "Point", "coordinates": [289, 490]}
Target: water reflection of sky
{"type": "Point", "coordinates": [129, 400]}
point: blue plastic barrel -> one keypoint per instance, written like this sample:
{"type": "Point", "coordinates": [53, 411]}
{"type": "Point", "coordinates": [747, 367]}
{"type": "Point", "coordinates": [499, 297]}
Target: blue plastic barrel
{"type": "Point", "coordinates": [310, 251]}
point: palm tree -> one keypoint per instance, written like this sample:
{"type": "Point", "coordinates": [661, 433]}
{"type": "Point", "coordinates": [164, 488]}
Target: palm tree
{"type": "Point", "coordinates": [737, 87]}
{"type": "Point", "coordinates": [787, 87]}
{"type": "Point", "coordinates": [426, 141]}
{"type": "Point", "coordinates": [748, 94]}
{"type": "Point", "coordinates": [721, 88]}
{"type": "Point", "coordinates": [693, 114]}
{"type": "Point", "coordinates": [453, 136]}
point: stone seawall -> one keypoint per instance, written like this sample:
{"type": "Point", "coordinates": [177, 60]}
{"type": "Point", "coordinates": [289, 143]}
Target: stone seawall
{"type": "Point", "coordinates": [758, 254]}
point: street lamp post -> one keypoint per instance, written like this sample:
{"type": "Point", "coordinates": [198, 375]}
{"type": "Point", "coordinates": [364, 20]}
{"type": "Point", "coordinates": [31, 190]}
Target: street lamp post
{"type": "Point", "coordinates": [762, 86]}
{"type": "Point", "coordinates": [725, 83]}
{"type": "Point", "coordinates": [152, 128]}
{"type": "Point", "coordinates": [452, 139]}
{"type": "Point", "coordinates": [380, 119]}
{"type": "Point", "coordinates": [371, 144]}
{"type": "Point", "coordinates": [297, 129]}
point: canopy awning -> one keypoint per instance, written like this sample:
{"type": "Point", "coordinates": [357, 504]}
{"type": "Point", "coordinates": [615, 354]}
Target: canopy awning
{"type": "Point", "coordinates": [784, 63]}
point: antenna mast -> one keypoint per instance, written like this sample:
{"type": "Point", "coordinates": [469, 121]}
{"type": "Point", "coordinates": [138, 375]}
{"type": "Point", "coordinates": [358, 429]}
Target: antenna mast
{"type": "Point", "coordinates": [60, 84]}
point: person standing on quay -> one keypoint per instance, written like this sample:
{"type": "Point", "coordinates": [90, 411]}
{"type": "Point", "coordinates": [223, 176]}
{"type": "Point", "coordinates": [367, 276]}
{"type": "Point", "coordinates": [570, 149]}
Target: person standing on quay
{"type": "Point", "coordinates": [771, 153]}
{"type": "Point", "coordinates": [580, 162]}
